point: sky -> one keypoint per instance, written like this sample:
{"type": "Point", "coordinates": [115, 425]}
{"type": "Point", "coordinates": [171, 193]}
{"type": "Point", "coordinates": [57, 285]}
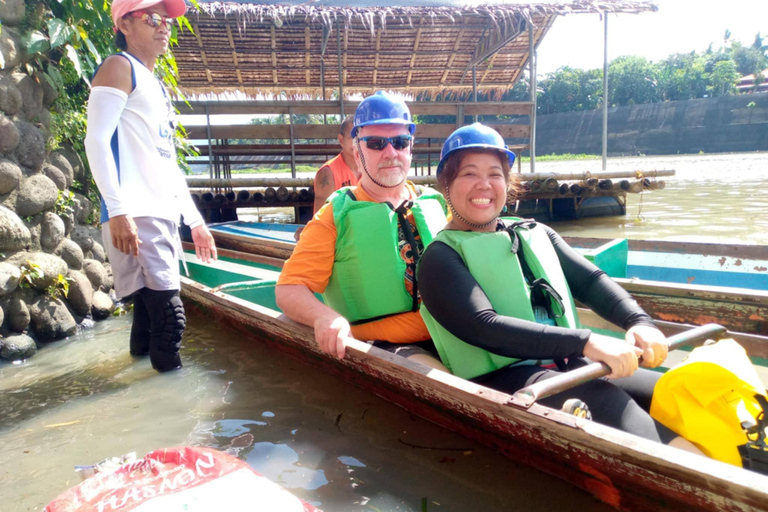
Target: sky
{"type": "Point", "coordinates": [679, 26]}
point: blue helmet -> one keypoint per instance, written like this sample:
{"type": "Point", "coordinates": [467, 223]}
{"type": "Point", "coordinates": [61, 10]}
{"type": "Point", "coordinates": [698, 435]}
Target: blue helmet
{"type": "Point", "coordinates": [381, 108]}
{"type": "Point", "coordinates": [475, 135]}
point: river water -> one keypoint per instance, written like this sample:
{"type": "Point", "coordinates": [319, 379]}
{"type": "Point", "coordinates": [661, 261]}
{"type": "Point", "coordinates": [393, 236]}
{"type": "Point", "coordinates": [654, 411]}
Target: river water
{"type": "Point", "coordinates": [85, 398]}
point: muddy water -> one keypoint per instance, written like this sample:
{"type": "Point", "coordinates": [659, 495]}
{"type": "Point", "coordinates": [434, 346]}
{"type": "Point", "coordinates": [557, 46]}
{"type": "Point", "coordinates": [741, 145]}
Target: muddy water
{"type": "Point", "coordinates": [84, 399]}
{"type": "Point", "coordinates": [712, 198]}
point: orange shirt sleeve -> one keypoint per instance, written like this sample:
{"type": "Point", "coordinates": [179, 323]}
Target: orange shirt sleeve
{"type": "Point", "coordinates": [312, 260]}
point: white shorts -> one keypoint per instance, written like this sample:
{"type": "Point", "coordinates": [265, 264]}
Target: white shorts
{"type": "Point", "coordinates": [157, 265]}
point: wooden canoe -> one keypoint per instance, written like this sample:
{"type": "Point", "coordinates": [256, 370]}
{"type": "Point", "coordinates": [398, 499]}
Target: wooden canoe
{"type": "Point", "coordinates": [624, 471]}
{"type": "Point", "coordinates": [680, 287]}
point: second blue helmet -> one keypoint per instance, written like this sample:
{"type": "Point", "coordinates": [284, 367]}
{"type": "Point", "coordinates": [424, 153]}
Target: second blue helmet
{"type": "Point", "coordinates": [476, 135]}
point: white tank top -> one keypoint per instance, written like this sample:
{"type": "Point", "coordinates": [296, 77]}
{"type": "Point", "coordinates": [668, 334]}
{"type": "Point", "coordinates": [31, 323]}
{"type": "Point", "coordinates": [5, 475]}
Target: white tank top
{"type": "Point", "coordinates": [151, 183]}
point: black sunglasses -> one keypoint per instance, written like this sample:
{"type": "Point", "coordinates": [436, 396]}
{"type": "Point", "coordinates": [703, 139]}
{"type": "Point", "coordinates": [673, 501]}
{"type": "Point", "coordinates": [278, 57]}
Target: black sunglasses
{"type": "Point", "coordinates": [379, 143]}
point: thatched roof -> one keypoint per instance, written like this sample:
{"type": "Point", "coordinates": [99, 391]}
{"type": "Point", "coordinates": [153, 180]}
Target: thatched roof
{"type": "Point", "coordinates": [420, 45]}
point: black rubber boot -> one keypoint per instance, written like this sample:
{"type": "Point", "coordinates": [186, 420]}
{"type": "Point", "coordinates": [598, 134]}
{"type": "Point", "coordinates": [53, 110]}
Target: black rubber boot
{"type": "Point", "coordinates": [140, 330]}
{"type": "Point", "coordinates": [166, 313]}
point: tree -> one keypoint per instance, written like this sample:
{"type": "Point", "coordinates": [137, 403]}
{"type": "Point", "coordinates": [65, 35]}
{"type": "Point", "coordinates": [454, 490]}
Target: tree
{"type": "Point", "coordinates": [722, 80]}
{"type": "Point", "coordinates": [632, 80]}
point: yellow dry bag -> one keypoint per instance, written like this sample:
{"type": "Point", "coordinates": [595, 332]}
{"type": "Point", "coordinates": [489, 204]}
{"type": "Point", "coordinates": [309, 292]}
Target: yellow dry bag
{"type": "Point", "coordinates": [709, 397]}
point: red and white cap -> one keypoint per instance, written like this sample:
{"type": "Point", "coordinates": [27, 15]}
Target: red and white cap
{"type": "Point", "coordinates": [120, 8]}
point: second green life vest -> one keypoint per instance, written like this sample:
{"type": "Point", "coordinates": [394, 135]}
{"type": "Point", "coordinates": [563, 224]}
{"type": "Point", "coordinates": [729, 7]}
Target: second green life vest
{"type": "Point", "coordinates": [509, 287]}
{"type": "Point", "coordinates": [368, 279]}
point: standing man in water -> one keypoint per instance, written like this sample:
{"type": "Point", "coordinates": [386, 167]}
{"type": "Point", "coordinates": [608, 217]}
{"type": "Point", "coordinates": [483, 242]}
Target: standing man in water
{"type": "Point", "coordinates": [130, 149]}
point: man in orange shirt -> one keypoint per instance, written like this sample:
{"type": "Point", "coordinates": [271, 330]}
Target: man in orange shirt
{"type": "Point", "coordinates": [339, 171]}
{"type": "Point", "coordinates": [361, 249]}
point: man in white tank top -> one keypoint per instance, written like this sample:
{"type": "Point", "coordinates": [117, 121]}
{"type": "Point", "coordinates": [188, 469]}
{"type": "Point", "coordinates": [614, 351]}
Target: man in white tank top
{"type": "Point", "coordinates": [133, 159]}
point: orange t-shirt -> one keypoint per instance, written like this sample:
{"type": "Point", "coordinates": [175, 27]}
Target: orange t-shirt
{"type": "Point", "coordinates": [342, 174]}
{"type": "Point", "coordinates": [311, 265]}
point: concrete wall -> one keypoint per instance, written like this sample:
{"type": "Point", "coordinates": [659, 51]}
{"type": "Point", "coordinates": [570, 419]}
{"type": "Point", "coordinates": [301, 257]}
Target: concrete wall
{"type": "Point", "coordinates": [711, 125]}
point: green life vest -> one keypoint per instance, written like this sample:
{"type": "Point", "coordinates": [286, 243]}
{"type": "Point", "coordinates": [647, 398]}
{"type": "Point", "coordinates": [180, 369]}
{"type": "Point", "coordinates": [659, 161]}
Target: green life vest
{"type": "Point", "coordinates": [498, 271]}
{"type": "Point", "coordinates": [368, 277]}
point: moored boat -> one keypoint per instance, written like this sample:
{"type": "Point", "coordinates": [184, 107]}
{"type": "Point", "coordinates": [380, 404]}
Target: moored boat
{"type": "Point", "coordinates": [624, 471]}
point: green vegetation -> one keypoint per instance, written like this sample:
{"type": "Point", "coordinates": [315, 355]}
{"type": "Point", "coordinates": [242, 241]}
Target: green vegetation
{"type": "Point", "coordinates": [636, 80]}
{"type": "Point", "coordinates": [64, 203]}
{"type": "Point", "coordinates": [29, 272]}
{"type": "Point", "coordinates": [59, 287]}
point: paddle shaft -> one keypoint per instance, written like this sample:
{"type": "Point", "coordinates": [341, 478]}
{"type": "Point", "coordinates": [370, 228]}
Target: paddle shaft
{"type": "Point", "coordinates": [530, 394]}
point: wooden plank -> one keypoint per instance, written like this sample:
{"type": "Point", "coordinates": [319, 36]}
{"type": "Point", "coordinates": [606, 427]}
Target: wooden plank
{"type": "Point", "coordinates": [376, 59]}
{"type": "Point", "coordinates": [307, 48]}
{"type": "Point", "coordinates": [413, 55]}
{"type": "Point", "coordinates": [319, 131]}
{"type": "Point", "coordinates": [453, 55]}
{"type": "Point", "coordinates": [490, 67]}
{"type": "Point", "coordinates": [274, 55]}
{"type": "Point", "coordinates": [332, 107]}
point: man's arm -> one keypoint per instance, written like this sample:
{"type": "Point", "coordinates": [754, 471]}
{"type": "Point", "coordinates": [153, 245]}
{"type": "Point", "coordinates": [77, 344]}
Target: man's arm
{"type": "Point", "coordinates": [300, 305]}
{"type": "Point", "coordinates": [111, 87]}
{"type": "Point", "coordinates": [324, 186]}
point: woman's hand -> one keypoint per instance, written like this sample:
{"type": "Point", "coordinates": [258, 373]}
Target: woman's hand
{"type": "Point", "coordinates": [621, 357]}
{"type": "Point", "coordinates": [652, 342]}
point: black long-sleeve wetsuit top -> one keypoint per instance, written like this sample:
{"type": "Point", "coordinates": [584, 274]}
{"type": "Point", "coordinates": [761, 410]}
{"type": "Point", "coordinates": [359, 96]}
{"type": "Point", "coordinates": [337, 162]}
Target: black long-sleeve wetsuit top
{"type": "Point", "coordinates": [458, 303]}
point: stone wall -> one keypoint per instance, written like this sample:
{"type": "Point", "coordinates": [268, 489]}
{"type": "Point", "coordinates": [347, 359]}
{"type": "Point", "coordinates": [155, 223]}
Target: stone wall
{"type": "Point", "coordinates": [43, 238]}
{"type": "Point", "coordinates": [710, 125]}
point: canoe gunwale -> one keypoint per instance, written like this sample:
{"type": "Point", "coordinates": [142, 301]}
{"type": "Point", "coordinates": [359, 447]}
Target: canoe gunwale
{"type": "Point", "coordinates": [626, 472]}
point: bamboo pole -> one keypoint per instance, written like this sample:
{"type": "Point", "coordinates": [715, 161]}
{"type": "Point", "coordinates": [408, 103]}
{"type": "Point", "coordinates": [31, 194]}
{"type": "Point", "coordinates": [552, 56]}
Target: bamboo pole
{"type": "Point", "coordinates": [193, 182]}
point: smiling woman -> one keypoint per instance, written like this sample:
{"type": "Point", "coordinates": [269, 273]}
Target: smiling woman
{"type": "Point", "coordinates": [497, 298]}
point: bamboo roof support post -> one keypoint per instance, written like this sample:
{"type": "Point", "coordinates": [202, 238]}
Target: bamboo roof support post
{"type": "Point", "coordinates": [341, 75]}
{"type": "Point", "coordinates": [293, 145]}
{"type": "Point", "coordinates": [605, 91]}
{"type": "Point", "coordinates": [210, 151]}
{"type": "Point", "coordinates": [474, 87]}
{"type": "Point", "coordinates": [532, 87]}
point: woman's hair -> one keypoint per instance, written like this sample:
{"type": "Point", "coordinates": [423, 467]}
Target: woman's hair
{"type": "Point", "coordinates": [453, 163]}
{"type": "Point", "coordinates": [120, 41]}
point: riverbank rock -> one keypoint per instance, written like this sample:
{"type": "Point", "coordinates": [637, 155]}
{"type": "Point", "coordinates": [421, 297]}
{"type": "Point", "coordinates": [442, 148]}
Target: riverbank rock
{"type": "Point", "coordinates": [9, 279]}
{"type": "Point", "coordinates": [10, 173]}
{"type": "Point", "coordinates": [16, 312]}
{"type": "Point", "coordinates": [12, 12]}
{"type": "Point", "coordinates": [17, 347]}
{"type": "Point", "coordinates": [31, 149]}
{"type": "Point", "coordinates": [80, 293]}
{"type": "Point", "coordinates": [51, 231]}
{"type": "Point", "coordinates": [98, 253]}
{"type": "Point", "coordinates": [9, 135]}
{"type": "Point", "coordinates": [36, 193]}
{"type": "Point", "coordinates": [31, 94]}
{"type": "Point", "coordinates": [50, 319]}
{"type": "Point", "coordinates": [14, 235]}
{"type": "Point", "coordinates": [78, 169]}
{"type": "Point", "coordinates": [11, 47]}
{"type": "Point", "coordinates": [55, 175]}
{"type": "Point", "coordinates": [71, 253]}
{"type": "Point", "coordinates": [102, 305]}
{"type": "Point", "coordinates": [82, 207]}
{"type": "Point", "coordinates": [10, 97]}
{"type": "Point", "coordinates": [95, 272]}
{"type": "Point", "coordinates": [58, 159]}
{"type": "Point", "coordinates": [49, 265]}
{"type": "Point", "coordinates": [82, 237]}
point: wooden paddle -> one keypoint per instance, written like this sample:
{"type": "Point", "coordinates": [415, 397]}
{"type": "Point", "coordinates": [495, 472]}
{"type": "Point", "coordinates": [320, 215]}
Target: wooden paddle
{"type": "Point", "coordinates": [530, 394]}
